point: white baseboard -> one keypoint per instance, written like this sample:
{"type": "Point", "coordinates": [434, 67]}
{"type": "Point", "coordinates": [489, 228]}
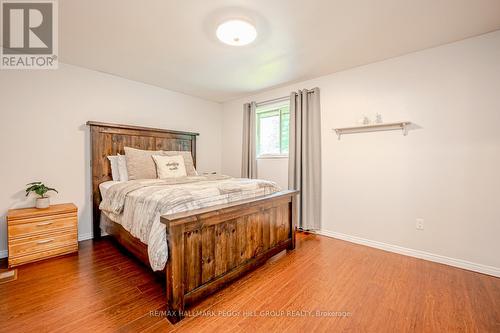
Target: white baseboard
{"type": "Point", "coordinates": [4, 254]}
{"type": "Point", "coordinates": [82, 237]}
{"type": "Point", "coordinates": [480, 268]}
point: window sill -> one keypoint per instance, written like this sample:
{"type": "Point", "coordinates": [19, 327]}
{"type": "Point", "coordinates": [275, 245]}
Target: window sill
{"type": "Point", "coordinates": [272, 157]}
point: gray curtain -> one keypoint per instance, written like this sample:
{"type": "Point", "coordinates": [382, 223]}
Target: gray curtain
{"type": "Point", "coordinates": [304, 164]}
{"type": "Point", "coordinates": [249, 159]}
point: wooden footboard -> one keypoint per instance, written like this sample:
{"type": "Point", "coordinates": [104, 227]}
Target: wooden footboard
{"type": "Point", "coordinates": [209, 248]}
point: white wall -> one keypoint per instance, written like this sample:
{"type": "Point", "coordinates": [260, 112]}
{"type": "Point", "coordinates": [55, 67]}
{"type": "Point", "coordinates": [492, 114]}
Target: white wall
{"type": "Point", "coordinates": [448, 172]}
{"type": "Point", "coordinates": [275, 169]}
{"type": "Point", "coordinates": [44, 137]}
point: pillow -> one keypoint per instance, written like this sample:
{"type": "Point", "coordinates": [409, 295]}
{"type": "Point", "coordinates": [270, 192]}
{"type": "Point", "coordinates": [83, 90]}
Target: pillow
{"type": "Point", "coordinates": [140, 164]}
{"type": "Point", "coordinates": [170, 166]}
{"type": "Point", "coordinates": [188, 161]}
{"type": "Point", "coordinates": [122, 168]}
{"type": "Point", "coordinates": [115, 173]}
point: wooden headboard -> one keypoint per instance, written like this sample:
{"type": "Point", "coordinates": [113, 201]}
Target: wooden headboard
{"type": "Point", "coordinates": [110, 139]}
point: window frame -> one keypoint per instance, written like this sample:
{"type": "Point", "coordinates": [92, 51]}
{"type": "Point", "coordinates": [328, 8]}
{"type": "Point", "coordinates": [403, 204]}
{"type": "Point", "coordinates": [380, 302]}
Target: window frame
{"type": "Point", "coordinates": [272, 110]}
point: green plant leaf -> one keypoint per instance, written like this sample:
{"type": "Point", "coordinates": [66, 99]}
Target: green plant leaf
{"type": "Point", "coordinates": [31, 188]}
{"type": "Point", "coordinates": [39, 188]}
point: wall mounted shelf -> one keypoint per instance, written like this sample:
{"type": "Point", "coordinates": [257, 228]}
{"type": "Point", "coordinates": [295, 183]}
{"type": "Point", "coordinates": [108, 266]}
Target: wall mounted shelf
{"type": "Point", "coordinates": [402, 125]}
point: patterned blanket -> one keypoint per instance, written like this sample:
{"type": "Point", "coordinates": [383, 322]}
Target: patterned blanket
{"type": "Point", "coordinates": [138, 204]}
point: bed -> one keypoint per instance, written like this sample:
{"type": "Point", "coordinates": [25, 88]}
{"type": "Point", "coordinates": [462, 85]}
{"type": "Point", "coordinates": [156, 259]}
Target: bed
{"type": "Point", "coordinates": [208, 247]}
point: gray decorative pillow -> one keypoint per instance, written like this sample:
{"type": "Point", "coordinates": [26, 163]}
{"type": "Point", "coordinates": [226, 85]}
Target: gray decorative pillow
{"type": "Point", "coordinates": [188, 161]}
{"type": "Point", "coordinates": [140, 163]}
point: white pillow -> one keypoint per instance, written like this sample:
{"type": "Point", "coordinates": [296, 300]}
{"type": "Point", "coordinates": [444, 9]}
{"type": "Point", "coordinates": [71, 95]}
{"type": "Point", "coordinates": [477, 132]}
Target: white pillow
{"type": "Point", "coordinates": [170, 166]}
{"type": "Point", "coordinates": [115, 173]}
{"type": "Point", "coordinates": [122, 168]}
{"type": "Point", "coordinates": [119, 170]}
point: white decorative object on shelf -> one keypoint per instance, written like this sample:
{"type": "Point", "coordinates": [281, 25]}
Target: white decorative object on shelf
{"type": "Point", "coordinates": [378, 118]}
{"type": "Point", "coordinates": [403, 125]}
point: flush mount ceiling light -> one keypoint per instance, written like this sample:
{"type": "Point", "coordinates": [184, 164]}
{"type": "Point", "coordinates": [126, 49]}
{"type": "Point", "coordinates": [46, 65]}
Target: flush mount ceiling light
{"type": "Point", "coordinates": [236, 32]}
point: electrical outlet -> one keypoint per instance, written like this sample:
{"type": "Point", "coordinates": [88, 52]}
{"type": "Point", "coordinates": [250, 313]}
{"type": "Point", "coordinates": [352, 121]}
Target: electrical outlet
{"type": "Point", "coordinates": [419, 224]}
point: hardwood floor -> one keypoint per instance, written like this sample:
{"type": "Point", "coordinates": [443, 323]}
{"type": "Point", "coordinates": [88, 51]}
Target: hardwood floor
{"type": "Point", "coordinates": [364, 289]}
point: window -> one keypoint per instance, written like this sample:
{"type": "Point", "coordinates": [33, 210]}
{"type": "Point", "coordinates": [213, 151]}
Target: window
{"type": "Point", "coordinates": [273, 130]}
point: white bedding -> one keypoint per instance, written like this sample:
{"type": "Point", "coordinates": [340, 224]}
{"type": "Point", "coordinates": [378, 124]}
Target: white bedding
{"type": "Point", "coordinates": [103, 187]}
{"type": "Point", "coordinates": [138, 204]}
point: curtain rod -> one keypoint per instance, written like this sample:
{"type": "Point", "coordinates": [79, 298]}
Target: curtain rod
{"type": "Point", "coordinates": [279, 99]}
{"type": "Point", "coordinates": [274, 100]}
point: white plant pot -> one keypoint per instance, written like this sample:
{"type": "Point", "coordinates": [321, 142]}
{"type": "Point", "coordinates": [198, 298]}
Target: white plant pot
{"type": "Point", "coordinates": [42, 203]}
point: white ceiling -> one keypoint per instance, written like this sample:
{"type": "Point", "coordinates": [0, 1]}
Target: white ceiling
{"type": "Point", "coordinates": [172, 44]}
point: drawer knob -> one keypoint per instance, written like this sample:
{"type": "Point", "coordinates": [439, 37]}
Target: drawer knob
{"type": "Point", "coordinates": [45, 241]}
{"type": "Point", "coordinates": [43, 224]}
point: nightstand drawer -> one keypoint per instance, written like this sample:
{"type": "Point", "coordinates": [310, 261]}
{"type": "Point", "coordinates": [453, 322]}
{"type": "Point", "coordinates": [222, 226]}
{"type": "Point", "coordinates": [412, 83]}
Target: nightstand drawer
{"type": "Point", "coordinates": [15, 261]}
{"type": "Point", "coordinates": [34, 244]}
{"type": "Point", "coordinates": [42, 225]}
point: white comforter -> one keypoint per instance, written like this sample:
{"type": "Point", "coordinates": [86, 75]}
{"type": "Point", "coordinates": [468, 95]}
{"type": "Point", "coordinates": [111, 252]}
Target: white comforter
{"type": "Point", "coordinates": [138, 204]}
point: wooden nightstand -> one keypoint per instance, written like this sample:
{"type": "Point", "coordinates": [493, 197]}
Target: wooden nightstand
{"type": "Point", "coordinates": [36, 234]}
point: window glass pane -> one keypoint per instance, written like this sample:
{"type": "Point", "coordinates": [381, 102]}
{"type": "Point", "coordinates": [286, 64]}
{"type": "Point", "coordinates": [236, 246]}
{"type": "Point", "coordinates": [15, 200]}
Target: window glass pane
{"type": "Point", "coordinates": [285, 130]}
{"type": "Point", "coordinates": [273, 130]}
{"type": "Point", "coordinates": [269, 135]}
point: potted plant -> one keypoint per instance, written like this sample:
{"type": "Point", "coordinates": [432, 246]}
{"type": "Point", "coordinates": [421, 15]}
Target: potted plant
{"type": "Point", "coordinates": [41, 190]}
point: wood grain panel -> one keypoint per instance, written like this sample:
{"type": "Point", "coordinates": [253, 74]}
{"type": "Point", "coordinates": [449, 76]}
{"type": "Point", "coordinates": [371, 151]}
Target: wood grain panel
{"type": "Point", "coordinates": [273, 230]}
{"type": "Point", "coordinates": [221, 253]}
{"type": "Point", "coordinates": [208, 253]}
{"type": "Point", "coordinates": [175, 277]}
{"type": "Point", "coordinates": [42, 225]}
{"type": "Point", "coordinates": [25, 214]}
{"type": "Point", "coordinates": [121, 141]}
{"type": "Point", "coordinates": [250, 236]}
{"type": "Point", "coordinates": [231, 244]}
{"type": "Point", "coordinates": [173, 144]}
{"type": "Point", "coordinates": [192, 259]}
{"type": "Point", "coordinates": [281, 218]}
{"type": "Point", "coordinates": [285, 214]}
{"type": "Point", "coordinates": [227, 244]}
{"type": "Point", "coordinates": [241, 235]}
{"type": "Point", "coordinates": [47, 253]}
{"type": "Point", "coordinates": [265, 221]}
{"type": "Point", "coordinates": [24, 246]}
